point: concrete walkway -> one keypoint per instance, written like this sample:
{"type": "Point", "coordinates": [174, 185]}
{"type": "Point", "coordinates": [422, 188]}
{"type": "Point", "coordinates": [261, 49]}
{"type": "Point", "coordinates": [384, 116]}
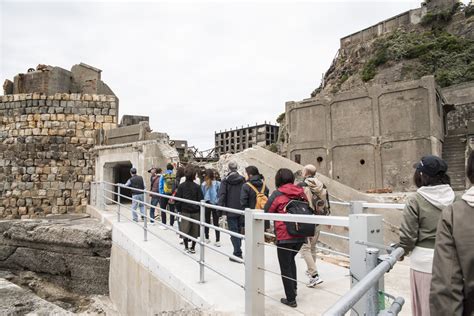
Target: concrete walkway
{"type": "Point", "coordinates": [181, 273]}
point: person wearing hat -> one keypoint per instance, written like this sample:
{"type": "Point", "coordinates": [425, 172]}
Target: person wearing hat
{"type": "Point", "coordinates": [138, 197]}
{"type": "Point", "coordinates": [418, 229]}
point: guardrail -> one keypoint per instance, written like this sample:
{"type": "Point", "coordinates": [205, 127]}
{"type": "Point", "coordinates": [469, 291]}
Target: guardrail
{"type": "Point", "coordinates": [365, 232]}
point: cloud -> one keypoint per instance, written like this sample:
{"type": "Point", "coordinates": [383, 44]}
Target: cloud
{"type": "Point", "coordinates": [194, 68]}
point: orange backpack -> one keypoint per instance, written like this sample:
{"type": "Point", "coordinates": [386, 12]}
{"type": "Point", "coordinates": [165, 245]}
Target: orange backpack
{"type": "Point", "coordinates": [261, 199]}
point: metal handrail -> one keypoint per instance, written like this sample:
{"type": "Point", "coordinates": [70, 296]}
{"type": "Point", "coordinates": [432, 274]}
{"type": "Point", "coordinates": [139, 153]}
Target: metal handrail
{"type": "Point", "coordinates": [345, 303]}
{"type": "Point", "coordinates": [166, 196]}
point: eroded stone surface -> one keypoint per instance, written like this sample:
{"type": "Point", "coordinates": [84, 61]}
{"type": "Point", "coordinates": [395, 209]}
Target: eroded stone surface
{"type": "Point", "coordinates": [74, 254]}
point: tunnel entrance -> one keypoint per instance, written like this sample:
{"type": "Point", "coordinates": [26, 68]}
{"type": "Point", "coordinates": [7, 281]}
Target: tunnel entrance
{"type": "Point", "coordinates": [118, 172]}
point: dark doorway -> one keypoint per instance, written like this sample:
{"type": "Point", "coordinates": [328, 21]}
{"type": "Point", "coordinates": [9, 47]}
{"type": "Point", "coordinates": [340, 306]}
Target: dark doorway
{"type": "Point", "coordinates": [121, 172]}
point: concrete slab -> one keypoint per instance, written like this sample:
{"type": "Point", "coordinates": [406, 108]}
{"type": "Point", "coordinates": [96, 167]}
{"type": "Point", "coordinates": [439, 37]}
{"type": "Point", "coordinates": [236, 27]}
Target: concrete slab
{"type": "Point", "coordinates": [180, 273]}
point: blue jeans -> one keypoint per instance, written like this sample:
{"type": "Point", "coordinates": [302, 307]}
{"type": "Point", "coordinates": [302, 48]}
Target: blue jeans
{"type": "Point", "coordinates": [154, 202]}
{"type": "Point", "coordinates": [140, 198]}
{"type": "Point", "coordinates": [236, 224]}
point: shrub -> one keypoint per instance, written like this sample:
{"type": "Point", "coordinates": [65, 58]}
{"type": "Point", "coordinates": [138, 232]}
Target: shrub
{"type": "Point", "coordinates": [281, 118]}
{"type": "Point", "coordinates": [368, 72]}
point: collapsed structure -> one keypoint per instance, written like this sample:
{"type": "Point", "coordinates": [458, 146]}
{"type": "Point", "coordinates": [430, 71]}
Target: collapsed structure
{"type": "Point", "coordinates": [372, 118]}
{"type": "Point", "coordinates": [58, 133]}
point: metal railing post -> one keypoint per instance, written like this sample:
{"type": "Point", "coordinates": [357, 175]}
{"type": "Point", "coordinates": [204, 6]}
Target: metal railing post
{"type": "Point", "coordinates": [254, 265]}
{"type": "Point", "coordinates": [119, 200]}
{"type": "Point", "coordinates": [202, 220]}
{"type": "Point", "coordinates": [356, 207]}
{"type": "Point", "coordinates": [362, 228]}
{"type": "Point", "coordinates": [145, 220]}
{"type": "Point", "coordinates": [372, 299]}
{"type": "Point", "coordinates": [102, 196]}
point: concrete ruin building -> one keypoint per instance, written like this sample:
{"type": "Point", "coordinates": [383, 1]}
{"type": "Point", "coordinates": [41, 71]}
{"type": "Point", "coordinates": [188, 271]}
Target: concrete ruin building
{"type": "Point", "coordinates": [58, 133]}
{"type": "Point", "coordinates": [239, 139]}
{"type": "Point", "coordinates": [369, 135]}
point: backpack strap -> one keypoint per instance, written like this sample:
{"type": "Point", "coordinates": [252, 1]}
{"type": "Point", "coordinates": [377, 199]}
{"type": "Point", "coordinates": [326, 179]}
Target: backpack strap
{"type": "Point", "coordinates": [263, 187]}
{"type": "Point", "coordinates": [253, 187]}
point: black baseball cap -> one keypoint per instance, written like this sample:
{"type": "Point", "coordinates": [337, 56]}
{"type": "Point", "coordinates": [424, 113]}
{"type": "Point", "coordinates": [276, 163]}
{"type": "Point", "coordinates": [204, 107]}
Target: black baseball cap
{"type": "Point", "coordinates": [431, 165]}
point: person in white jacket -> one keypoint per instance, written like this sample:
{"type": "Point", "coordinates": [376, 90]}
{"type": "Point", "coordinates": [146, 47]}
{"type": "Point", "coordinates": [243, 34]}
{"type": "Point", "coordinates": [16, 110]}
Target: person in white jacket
{"type": "Point", "coordinates": [420, 221]}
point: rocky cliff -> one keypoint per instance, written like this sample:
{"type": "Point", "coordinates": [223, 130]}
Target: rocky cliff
{"type": "Point", "coordinates": [441, 44]}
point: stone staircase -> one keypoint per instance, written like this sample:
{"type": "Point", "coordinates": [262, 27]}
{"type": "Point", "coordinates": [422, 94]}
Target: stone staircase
{"type": "Point", "coordinates": [454, 154]}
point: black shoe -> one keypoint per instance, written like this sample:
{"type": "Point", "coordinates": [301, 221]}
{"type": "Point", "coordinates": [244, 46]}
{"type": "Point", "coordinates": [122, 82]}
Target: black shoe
{"type": "Point", "coordinates": [288, 303]}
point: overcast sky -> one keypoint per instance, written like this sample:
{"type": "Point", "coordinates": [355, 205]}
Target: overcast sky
{"type": "Point", "coordinates": [193, 67]}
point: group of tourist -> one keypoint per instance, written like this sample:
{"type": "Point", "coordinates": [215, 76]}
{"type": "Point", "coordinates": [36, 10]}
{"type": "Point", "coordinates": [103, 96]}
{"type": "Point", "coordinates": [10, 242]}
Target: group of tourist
{"type": "Point", "coordinates": [238, 192]}
{"type": "Point", "coordinates": [436, 230]}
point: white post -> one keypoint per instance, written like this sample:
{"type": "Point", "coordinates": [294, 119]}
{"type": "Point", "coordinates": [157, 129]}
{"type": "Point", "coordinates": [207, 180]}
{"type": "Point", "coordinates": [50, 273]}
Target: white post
{"type": "Point", "coordinates": [102, 195]}
{"type": "Point", "coordinates": [357, 207]}
{"type": "Point", "coordinates": [119, 200]}
{"type": "Point", "coordinates": [365, 228]}
{"type": "Point", "coordinates": [202, 220]}
{"type": "Point", "coordinates": [254, 265]}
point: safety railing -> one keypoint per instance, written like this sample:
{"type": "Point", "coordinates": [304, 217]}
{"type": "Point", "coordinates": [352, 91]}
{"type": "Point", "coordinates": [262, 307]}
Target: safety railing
{"type": "Point", "coordinates": [110, 192]}
{"type": "Point", "coordinates": [365, 233]}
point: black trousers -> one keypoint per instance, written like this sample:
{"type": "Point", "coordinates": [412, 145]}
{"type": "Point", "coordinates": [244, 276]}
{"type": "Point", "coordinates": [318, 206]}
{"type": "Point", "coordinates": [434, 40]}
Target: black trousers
{"type": "Point", "coordinates": [164, 202]}
{"type": "Point", "coordinates": [286, 259]}
{"type": "Point", "coordinates": [215, 222]}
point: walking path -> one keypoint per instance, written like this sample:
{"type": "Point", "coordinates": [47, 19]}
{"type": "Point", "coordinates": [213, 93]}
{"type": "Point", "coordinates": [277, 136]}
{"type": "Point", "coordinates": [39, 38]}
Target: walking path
{"type": "Point", "coordinates": [223, 295]}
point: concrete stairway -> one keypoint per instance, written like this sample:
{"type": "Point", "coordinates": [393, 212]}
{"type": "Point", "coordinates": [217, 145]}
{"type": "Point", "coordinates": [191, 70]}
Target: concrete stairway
{"type": "Point", "coordinates": [454, 153]}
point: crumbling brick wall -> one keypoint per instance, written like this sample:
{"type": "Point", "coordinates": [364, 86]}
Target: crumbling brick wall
{"type": "Point", "coordinates": [46, 164]}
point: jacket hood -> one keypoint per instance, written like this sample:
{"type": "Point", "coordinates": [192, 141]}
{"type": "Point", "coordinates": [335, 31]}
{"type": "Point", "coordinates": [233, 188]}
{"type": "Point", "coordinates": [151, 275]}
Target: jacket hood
{"type": "Point", "coordinates": [234, 178]}
{"type": "Point", "coordinates": [292, 191]}
{"type": "Point", "coordinates": [256, 180]}
{"type": "Point", "coordinates": [314, 184]}
{"type": "Point", "coordinates": [469, 196]}
{"type": "Point", "coordinates": [439, 196]}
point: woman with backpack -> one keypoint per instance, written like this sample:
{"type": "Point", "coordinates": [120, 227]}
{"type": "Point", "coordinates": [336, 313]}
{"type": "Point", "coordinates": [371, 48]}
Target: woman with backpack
{"type": "Point", "coordinates": [210, 188]}
{"type": "Point", "coordinates": [420, 221]}
{"type": "Point", "coordinates": [253, 188]}
{"type": "Point", "coordinates": [288, 245]}
{"type": "Point", "coordinates": [190, 191]}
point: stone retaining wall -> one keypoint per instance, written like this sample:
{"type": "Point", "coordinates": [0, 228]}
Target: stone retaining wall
{"type": "Point", "coordinates": [46, 165]}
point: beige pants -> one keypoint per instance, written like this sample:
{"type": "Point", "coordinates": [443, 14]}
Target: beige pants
{"type": "Point", "coordinates": [308, 252]}
{"type": "Point", "coordinates": [420, 283]}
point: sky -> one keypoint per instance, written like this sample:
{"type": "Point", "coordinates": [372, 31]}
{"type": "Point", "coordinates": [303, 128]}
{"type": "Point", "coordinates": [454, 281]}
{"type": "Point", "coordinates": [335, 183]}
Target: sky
{"type": "Point", "coordinates": [193, 67]}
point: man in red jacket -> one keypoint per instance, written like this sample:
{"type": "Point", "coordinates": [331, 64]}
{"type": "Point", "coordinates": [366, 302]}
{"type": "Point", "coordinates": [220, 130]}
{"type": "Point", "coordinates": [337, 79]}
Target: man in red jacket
{"type": "Point", "coordinates": [288, 245]}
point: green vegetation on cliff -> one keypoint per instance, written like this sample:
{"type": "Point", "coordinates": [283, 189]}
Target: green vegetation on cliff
{"type": "Point", "coordinates": [450, 58]}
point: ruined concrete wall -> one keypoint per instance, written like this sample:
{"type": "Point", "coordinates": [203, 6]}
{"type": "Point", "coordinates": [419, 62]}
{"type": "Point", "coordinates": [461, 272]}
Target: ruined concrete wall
{"type": "Point", "coordinates": [55, 80]}
{"type": "Point", "coordinates": [45, 162]}
{"type": "Point", "coordinates": [403, 20]}
{"type": "Point", "coordinates": [74, 254]}
{"type": "Point", "coordinates": [462, 97]}
{"type": "Point", "coordinates": [369, 138]}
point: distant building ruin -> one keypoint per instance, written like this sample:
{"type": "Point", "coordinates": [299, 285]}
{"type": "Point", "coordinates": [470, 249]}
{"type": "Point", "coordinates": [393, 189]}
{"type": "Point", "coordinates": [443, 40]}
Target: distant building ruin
{"type": "Point", "coordinates": [237, 140]}
{"type": "Point", "coordinates": [45, 79]}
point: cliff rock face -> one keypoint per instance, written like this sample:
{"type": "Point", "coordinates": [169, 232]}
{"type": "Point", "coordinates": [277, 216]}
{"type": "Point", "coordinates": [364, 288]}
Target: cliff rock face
{"type": "Point", "coordinates": [73, 254]}
{"type": "Point", "coordinates": [440, 44]}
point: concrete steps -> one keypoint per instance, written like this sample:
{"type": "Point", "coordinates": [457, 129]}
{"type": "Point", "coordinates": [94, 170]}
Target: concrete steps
{"type": "Point", "coordinates": [454, 154]}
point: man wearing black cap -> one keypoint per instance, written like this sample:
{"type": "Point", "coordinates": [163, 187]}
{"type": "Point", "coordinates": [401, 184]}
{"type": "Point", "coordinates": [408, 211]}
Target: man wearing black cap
{"type": "Point", "coordinates": [138, 197]}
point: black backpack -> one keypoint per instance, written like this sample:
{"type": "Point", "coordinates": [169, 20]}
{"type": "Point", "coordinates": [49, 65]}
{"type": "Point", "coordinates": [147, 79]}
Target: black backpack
{"type": "Point", "coordinates": [298, 207]}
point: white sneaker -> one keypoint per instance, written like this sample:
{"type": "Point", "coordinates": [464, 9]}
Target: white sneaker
{"type": "Point", "coordinates": [207, 241]}
{"type": "Point", "coordinates": [217, 244]}
{"type": "Point", "coordinates": [314, 281]}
